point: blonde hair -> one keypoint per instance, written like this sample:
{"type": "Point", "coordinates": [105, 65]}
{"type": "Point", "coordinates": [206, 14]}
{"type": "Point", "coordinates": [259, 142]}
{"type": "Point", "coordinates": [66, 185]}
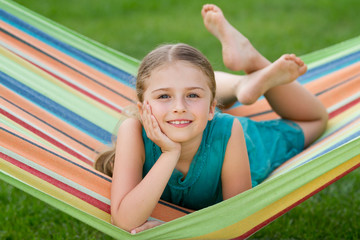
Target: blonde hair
{"type": "Point", "coordinates": [171, 53]}
{"type": "Point", "coordinates": [105, 162]}
{"type": "Point", "coordinates": [165, 54]}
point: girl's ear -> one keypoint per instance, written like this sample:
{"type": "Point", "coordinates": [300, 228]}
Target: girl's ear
{"type": "Point", "coordinates": [212, 110]}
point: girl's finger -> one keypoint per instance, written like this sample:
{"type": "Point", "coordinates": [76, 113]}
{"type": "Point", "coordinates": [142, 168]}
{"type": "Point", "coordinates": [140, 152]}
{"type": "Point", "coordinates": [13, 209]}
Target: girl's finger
{"type": "Point", "coordinates": [146, 225]}
{"type": "Point", "coordinates": [146, 115]}
{"type": "Point", "coordinates": [148, 121]}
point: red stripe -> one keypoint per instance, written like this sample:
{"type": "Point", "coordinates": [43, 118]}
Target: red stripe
{"type": "Point", "coordinates": [44, 136]}
{"type": "Point", "coordinates": [344, 108]}
{"type": "Point", "coordinates": [269, 220]}
{"type": "Point", "coordinates": [91, 200]}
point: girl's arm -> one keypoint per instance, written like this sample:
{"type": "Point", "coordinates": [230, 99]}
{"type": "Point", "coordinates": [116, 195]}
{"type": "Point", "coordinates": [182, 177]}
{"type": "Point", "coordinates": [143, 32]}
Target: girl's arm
{"type": "Point", "coordinates": [132, 198]}
{"type": "Point", "coordinates": [235, 175]}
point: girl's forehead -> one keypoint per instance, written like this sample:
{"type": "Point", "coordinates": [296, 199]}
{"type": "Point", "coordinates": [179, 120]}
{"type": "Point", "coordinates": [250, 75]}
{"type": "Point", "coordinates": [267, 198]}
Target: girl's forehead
{"type": "Point", "coordinates": [179, 73]}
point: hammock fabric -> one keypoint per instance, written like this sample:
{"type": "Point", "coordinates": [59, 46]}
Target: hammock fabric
{"type": "Point", "coordinates": [61, 98]}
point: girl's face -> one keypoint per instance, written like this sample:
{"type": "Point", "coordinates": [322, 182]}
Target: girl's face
{"type": "Point", "coordinates": [180, 100]}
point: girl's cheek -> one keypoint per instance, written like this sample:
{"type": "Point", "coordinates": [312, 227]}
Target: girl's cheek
{"type": "Point", "coordinates": [154, 108]}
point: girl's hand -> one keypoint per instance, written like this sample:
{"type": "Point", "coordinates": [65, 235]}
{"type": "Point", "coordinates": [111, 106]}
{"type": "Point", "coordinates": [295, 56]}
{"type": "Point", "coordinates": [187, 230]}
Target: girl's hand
{"type": "Point", "coordinates": [153, 130]}
{"type": "Point", "coordinates": [146, 225]}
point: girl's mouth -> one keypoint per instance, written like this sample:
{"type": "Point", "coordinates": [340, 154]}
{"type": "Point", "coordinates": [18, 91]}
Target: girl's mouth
{"type": "Point", "coordinates": [180, 123]}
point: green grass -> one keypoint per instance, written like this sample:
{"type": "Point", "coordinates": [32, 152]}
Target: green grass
{"type": "Point", "coordinates": [136, 27]}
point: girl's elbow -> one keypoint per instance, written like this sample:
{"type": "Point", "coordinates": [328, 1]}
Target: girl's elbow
{"type": "Point", "coordinates": [125, 220]}
{"type": "Point", "coordinates": [122, 223]}
{"type": "Point", "coordinates": [118, 220]}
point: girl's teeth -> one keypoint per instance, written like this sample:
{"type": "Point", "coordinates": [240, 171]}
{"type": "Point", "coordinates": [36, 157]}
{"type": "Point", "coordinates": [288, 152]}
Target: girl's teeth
{"type": "Point", "coordinates": [179, 122]}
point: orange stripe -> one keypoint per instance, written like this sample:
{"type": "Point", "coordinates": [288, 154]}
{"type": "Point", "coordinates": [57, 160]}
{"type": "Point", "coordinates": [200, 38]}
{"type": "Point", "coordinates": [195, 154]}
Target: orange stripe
{"type": "Point", "coordinates": [341, 92]}
{"type": "Point", "coordinates": [334, 78]}
{"type": "Point", "coordinates": [167, 213]}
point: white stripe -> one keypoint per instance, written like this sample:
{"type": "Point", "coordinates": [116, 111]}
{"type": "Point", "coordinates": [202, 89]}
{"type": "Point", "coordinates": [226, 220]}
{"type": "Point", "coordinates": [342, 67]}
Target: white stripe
{"type": "Point", "coordinates": [343, 103]}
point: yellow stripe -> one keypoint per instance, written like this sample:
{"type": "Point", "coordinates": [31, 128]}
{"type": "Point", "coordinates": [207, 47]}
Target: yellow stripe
{"type": "Point", "coordinates": [247, 224]}
{"type": "Point", "coordinates": [316, 150]}
{"type": "Point", "coordinates": [342, 118]}
{"type": "Point", "coordinates": [51, 190]}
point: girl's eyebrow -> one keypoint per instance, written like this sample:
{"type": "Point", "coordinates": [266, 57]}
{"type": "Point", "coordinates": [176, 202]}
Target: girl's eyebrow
{"type": "Point", "coordinates": [187, 89]}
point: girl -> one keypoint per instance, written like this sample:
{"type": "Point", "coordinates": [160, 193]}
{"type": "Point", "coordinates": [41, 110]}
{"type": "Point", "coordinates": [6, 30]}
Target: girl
{"type": "Point", "coordinates": [182, 150]}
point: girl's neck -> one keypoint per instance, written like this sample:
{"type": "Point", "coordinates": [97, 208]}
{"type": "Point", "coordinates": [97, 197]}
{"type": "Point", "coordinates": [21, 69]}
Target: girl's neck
{"type": "Point", "coordinates": [188, 151]}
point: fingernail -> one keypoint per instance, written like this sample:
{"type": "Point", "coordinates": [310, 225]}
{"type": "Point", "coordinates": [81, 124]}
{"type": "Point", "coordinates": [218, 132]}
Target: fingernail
{"type": "Point", "coordinates": [133, 232]}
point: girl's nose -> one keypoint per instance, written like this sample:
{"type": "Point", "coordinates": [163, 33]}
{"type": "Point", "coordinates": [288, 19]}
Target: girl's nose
{"type": "Point", "coordinates": [179, 106]}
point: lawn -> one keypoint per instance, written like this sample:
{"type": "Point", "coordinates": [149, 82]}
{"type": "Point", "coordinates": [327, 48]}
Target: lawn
{"type": "Point", "coordinates": [135, 27]}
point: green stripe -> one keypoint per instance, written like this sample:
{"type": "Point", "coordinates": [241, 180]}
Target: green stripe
{"type": "Point", "coordinates": [331, 53]}
{"type": "Point", "coordinates": [64, 207]}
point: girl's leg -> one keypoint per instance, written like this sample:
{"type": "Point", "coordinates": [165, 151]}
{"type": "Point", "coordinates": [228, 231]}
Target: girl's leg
{"type": "Point", "coordinates": [247, 89]}
{"type": "Point", "coordinates": [273, 80]}
{"type": "Point", "coordinates": [287, 97]}
{"type": "Point", "coordinates": [238, 53]}
{"type": "Point", "coordinates": [292, 101]}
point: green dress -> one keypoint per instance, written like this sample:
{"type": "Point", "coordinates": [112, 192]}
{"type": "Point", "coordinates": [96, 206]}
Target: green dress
{"type": "Point", "coordinates": [269, 144]}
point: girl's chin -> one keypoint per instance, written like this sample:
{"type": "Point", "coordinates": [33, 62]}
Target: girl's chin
{"type": "Point", "coordinates": [178, 138]}
{"type": "Point", "coordinates": [181, 138]}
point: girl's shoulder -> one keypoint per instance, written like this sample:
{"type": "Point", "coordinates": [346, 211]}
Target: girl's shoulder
{"type": "Point", "coordinates": [223, 117]}
{"type": "Point", "coordinates": [220, 127]}
{"type": "Point", "coordinates": [129, 137]}
{"type": "Point", "coordinates": [222, 122]}
{"type": "Point", "coordinates": [130, 127]}
{"type": "Point", "coordinates": [131, 124]}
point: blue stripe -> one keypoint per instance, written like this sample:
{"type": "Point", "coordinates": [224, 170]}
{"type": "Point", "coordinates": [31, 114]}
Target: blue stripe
{"type": "Point", "coordinates": [329, 67]}
{"type": "Point", "coordinates": [344, 124]}
{"type": "Point", "coordinates": [92, 61]}
{"type": "Point", "coordinates": [56, 109]}
{"type": "Point", "coordinates": [332, 147]}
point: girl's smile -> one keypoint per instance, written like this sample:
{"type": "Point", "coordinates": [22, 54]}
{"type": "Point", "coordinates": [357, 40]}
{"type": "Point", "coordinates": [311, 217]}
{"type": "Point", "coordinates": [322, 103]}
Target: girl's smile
{"type": "Point", "coordinates": [180, 100]}
{"type": "Point", "coordinates": [180, 123]}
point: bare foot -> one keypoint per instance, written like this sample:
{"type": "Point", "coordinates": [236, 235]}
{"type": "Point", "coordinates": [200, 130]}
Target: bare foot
{"type": "Point", "coordinates": [238, 53]}
{"type": "Point", "coordinates": [284, 70]}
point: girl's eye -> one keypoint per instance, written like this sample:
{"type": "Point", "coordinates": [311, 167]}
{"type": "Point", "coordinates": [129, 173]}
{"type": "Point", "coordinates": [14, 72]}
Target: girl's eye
{"type": "Point", "coordinates": [164, 96]}
{"type": "Point", "coordinates": [193, 95]}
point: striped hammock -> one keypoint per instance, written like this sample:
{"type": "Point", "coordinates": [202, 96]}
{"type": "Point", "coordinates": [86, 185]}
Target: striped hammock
{"type": "Point", "coordinates": [61, 98]}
